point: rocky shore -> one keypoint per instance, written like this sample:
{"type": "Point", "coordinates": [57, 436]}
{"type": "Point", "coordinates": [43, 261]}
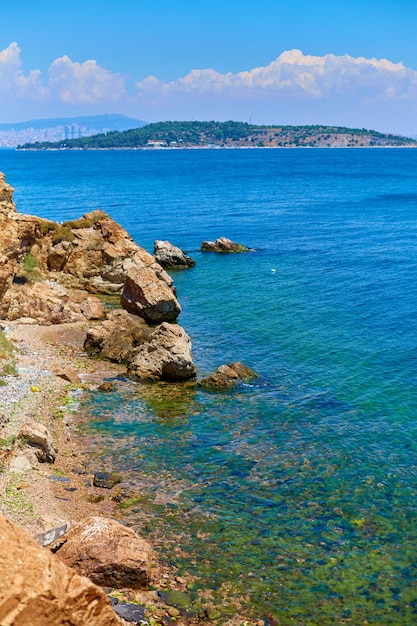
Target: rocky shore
{"type": "Point", "coordinates": [60, 308]}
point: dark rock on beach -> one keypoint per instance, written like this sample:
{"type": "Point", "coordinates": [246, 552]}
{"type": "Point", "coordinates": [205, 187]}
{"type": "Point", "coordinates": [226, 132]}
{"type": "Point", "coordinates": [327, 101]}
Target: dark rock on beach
{"type": "Point", "coordinates": [171, 257]}
{"type": "Point", "coordinates": [223, 245]}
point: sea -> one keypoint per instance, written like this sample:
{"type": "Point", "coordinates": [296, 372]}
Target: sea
{"type": "Point", "coordinates": [292, 498]}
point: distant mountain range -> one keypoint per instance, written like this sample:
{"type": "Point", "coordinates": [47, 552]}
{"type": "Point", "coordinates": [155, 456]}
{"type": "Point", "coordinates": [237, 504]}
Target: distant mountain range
{"type": "Point", "coordinates": [193, 134]}
{"type": "Point", "coordinates": [111, 121]}
{"type": "Point", "coordinates": [62, 128]}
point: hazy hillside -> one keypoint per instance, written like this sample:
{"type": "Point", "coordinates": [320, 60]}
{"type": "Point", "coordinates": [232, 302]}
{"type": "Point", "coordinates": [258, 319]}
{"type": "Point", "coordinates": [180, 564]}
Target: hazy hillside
{"type": "Point", "coordinates": [233, 134]}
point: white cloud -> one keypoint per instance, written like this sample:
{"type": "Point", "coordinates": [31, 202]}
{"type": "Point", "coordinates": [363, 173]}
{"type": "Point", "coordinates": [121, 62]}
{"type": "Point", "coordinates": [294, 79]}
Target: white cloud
{"type": "Point", "coordinates": [84, 83]}
{"type": "Point", "coordinates": [13, 82]}
{"type": "Point", "coordinates": [293, 75]}
{"type": "Point", "coordinates": [69, 82]}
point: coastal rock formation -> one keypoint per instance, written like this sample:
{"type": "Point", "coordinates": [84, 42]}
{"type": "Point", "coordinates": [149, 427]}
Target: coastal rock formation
{"type": "Point", "coordinates": [39, 303]}
{"type": "Point", "coordinates": [171, 257]}
{"type": "Point", "coordinates": [166, 356]}
{"type": "Point", "coordinates": [117, 337]}
{"type": "Point", "coordinates": [110, 554]}
{"type": "Point", "coordinates": [37, 589]}
{"type": "Point", "coordinates": [10, 248]}
{"type": "Point", "coordinates": [227, 377]}
{"type": "Point", "coordinates": [222, 244]}
{"type": "Point", "coordinates": [93, 253]}
{"type": "Point", "coordinates": [146, 297]}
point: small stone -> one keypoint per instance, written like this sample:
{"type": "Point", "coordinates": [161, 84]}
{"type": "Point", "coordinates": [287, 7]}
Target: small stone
{"type": "Point", "coordinates": [173, 612]}
{"type": "Point", "coordinates": [106, 480]}
{"type": "Point", "coordinates": [181, 580]}
{"type": "Point", "coordinates": [130, 612]}
{"type": "Point", "coordinates": [107, 386]}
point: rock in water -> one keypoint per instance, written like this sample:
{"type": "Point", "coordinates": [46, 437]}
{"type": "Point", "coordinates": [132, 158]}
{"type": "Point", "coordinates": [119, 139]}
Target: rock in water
{"type": "Point", "coordinates": [146, 297]}
{"type": "Point", "coordinates": [110, 554]}
{"type": "Point", "coordinates": [222, 244]}
{"type": "Point", "coordinates": [227, 377]}
{"type": "Point", "coordinates": [171, 257]}
{"type": "Point", "coordinates": [166, 356]}
{"type": "Point", "coordinates": [38, 589]}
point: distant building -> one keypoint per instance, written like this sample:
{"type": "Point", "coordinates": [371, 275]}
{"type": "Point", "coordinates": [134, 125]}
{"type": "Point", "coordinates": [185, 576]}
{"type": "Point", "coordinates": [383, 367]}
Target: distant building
{"type": "Point", "coordinates": [154, 143]}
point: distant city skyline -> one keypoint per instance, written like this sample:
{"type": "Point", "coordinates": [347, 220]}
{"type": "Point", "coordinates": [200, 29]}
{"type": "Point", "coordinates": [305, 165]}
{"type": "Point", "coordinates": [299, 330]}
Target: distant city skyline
{"type": "Point", "coordinates": [271, 62]}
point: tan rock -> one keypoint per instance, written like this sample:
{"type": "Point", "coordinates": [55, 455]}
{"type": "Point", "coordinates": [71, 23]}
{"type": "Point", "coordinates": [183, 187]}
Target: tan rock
{"type": "Point", "coordinates": [38, 589]}
{"type": "Point", "coordinates": [10, 249]}
{"type": "Point", "coordinates": [69, 374]}
{"type": "Point", "coordinates": [40, 302]}
{"type": "Point", "coordinates": [92, 308]}
{"type": "Point", "coordinates": [166, 356]}
{"type": "Point", "coordinates": [38, 437]}
{"type": "Point", "coordinates": [108, 553]}
{"type": "Point", "coordinates": [149, 298]}
{"type": "Point", "coordinates": [117, 336]}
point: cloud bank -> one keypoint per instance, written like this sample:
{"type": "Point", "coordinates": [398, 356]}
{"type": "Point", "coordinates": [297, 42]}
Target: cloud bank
{"type": "Point", "coordinates": [295, 88]}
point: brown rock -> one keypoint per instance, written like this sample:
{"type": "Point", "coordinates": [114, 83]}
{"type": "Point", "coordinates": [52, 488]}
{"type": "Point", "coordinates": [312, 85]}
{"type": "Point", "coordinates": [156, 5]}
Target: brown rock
{"type": "Point", "coordinates": [166, 356]}
{"type": "Point", "coordinates": [92, 308]}
{"type": "Point", "coordinates": [117, 336]}
{"type": "Point", "coordinates": [10, 249]}
{"type": "Point", "coordinates": [110, 554]}
{"type": "Point", "coordinates": [38, 302]}
{"type": "Point", "coordinates": [222, 244]}
{"type": "Point", "coordinates": [153, 300]}
{"type": "Point", "coordinates": [169, 256]}
{"type": "Point", "coordinates": [227, 377]}
{"type": "Point", "coordinates": [67, 373]}
{"type": "Point", "coordinates": [38, 437]}
{"type": "Point", "coordinates": [38, 589]}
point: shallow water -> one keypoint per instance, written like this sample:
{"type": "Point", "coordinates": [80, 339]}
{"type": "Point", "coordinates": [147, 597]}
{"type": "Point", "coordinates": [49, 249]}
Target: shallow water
{"type": "Point", "coordinates": [295, 494]}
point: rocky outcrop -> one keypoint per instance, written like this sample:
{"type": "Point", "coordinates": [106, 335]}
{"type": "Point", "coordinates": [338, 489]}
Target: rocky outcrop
{"type": "Point", "coordinates": [117, 337]}
{"type": "Point", "coordinates": [171, 257]}
{"type": "Point", "coordinates": [153, 300]}
{"type": "Point", "coordinates": [110, 554]}
{"type": "Point", "coordinates": [223, 245]}
{"type": "Point", "coordinates": [227, 377]}
{"type": "Point", "coordinates": [37, 588]}
{"type": "Point", "coordinates": [166, 356]}
{"type": "Point", "coordinates": [93, 253]}
{"type": "Point", "coordinates": [39, 303]}
{"type": "Point", "coordinates": [10, 248]}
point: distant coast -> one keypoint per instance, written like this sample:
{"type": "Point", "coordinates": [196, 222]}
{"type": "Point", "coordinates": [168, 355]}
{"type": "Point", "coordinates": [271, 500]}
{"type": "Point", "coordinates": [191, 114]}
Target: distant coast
{"type": "Point", "coordinates": [206, 135]}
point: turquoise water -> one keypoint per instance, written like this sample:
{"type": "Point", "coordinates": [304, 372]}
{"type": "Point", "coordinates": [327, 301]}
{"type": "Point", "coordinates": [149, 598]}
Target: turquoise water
{"type": "Point", "coordinates": [296, 495]}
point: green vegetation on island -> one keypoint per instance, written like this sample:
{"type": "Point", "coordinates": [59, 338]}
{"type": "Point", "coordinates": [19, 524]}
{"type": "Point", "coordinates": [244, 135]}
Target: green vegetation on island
{"type": "Point", "coordinates": [228, 134]}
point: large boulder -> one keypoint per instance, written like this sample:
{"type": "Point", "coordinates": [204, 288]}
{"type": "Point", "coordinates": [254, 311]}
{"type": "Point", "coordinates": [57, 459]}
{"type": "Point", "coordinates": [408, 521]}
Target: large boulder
{"type": "Point", "coordinates": [227, 377]}
{"type": "Point", "coordinates": [146, 297]}
{"type": "Point", "coordinates": [171, 257]}
{"type": "Point", "coordinates": [40, 303]}
{"type": "Point", "coordinates": [117, 337]}
{"type": "Point", "coordinates": [110, 554]}
{"type": "Point", "coordinates": [166, 356]}
{"type": "Point", "coordinates": [222, 244]}
{"type": "Point", "coordinates": [93, 253]}
{"type": "Point", "coordinates": [37, 589]}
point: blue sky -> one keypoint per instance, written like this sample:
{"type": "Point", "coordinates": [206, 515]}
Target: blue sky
{"type": "Point", "coordinates": [347, 63]}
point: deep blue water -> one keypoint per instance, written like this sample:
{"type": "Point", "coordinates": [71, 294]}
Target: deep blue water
{"type": "Point", "coordinates": [298, 493]}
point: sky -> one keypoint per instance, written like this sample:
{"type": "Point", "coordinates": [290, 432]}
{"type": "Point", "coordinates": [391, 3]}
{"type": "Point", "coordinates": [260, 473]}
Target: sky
{"type": "Point", "coordinates": [347, 63]}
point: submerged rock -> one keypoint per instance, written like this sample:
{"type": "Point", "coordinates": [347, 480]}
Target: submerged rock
{"type": "Point", "coordinates": [166, 356]}
{"type": "Point", "coordinates": [171, 257]}
{"type": "Point", "coordinates": [227, 377]}
{"type": "Point", "coordinates": [222, 244]}
{"type": "Point", "coordinates": [110, 554]}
